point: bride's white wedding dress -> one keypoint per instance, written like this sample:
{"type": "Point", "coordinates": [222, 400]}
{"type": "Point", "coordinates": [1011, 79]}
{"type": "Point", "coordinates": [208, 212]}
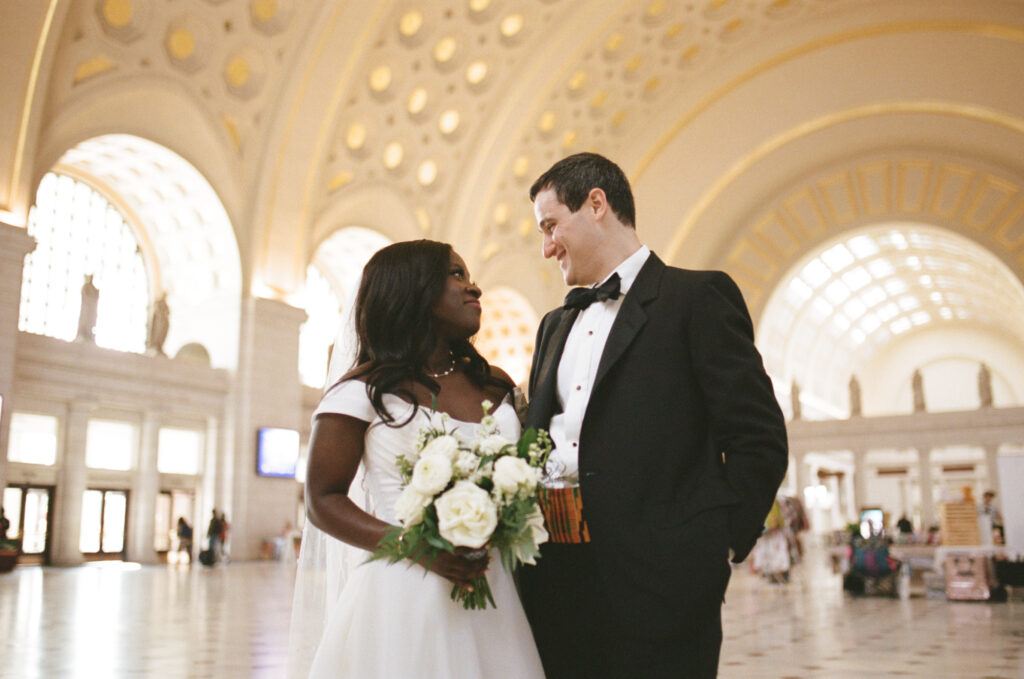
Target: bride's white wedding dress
{"type": "Point", "coordinates": [396, 620]}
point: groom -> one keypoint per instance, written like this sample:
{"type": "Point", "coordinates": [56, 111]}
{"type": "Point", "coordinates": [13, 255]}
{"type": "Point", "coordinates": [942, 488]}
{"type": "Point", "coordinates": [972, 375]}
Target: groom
{"type": "Point", "coordinates": [669, 444]}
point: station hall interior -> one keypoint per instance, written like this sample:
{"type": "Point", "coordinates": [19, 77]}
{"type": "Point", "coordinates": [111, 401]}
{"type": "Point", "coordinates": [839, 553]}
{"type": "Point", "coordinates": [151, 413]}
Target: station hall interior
{"type": "Point", "coordinates": [190, 188]}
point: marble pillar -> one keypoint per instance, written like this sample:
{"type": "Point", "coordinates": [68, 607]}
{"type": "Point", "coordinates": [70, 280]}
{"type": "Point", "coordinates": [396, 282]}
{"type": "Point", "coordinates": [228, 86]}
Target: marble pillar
{"type": "Point", "coordinates": [799, 472]}
{"type": "Point", "coordinates": [992, 467]}
{"type": "Point", "coordinates": [145, 487]}
{"type": "Point", "coordinates": [269, 394]}
{"type": "Point", "coordinates": [15, 243]}
{"type": "Point", "coordinates": [66, 515]}
{"type": "Point", "coordinates": [860, 481]}
{"type": "Point", "coordinates": [924, 476]}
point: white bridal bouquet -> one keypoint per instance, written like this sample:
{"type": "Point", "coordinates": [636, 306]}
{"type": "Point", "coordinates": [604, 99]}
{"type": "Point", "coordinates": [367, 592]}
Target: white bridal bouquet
{"type": "Point", "coordinates": [480, 494]}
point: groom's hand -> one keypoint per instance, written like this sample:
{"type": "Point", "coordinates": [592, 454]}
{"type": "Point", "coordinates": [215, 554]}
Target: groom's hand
{"type": "Point", "coordinates": [463, 566]}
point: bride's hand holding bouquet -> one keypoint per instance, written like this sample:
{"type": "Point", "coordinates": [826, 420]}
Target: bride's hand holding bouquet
{"type": "Point", "coordinates": [461, 500]}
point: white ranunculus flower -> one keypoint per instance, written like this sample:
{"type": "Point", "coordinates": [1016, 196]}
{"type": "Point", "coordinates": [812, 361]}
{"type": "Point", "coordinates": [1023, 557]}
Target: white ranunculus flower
{"type": "Point", "coordinates": [431, 474]}
{"type": "Point", "coordinates": [466, 517]}
{"type": "Point", "coordinates": [512, 473]}
{"type": "Point", "coordinates": [492, 445]}
{"type": "Point", "coordinates": [410, 505]}
{"type": "Point", "coordinates": [465, 463]}
{"type": "Point", "coordinates": [446, 445]}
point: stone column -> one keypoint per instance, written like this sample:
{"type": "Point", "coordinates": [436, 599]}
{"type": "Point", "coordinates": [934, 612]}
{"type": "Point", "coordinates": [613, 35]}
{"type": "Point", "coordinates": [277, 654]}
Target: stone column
{"type": "Point", "coordinates": [268, 394]}
{"type": "Point", "coordinates": [924, 475]}
{"type": "Point", "coordinates": [799, 472]}
{"type": "Point", "coordinates": [850, 510]}
{"type": "Point", "coordinates": [860, 481]}
{"type": "Point", "coordinates": [15, 243]}
{"type": "Point", "coordinates": [66, 517]}
{"type": "Point", "coordinates": [992, 467]}
{"type": "Point", "coordinates": [145, 487]}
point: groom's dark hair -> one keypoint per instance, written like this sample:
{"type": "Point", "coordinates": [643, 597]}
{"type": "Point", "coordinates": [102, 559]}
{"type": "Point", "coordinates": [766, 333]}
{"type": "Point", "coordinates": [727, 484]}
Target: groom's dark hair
{"type": "Point", "coordinates": [573, 177]}
{"type": "Point", "coordinates": [395, 326]}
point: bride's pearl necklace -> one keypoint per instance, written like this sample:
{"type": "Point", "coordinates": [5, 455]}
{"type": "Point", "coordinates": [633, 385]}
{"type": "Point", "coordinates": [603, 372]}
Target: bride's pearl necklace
{"type": "Point", "coordinates": [447, 371]}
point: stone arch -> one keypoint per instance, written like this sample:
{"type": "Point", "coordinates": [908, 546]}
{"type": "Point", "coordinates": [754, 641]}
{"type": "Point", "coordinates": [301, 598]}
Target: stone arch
{"type": "Point", "coordinates": [982, 202]}
{"type": "Point", "coordinates": [183, 228]}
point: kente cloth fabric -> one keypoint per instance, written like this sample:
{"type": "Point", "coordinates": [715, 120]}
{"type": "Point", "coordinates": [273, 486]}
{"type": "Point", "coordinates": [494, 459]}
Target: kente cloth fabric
{"type": "Point", "coordinates": [581, 298]}
{"type": "Point", "coordinates": [397, 620]}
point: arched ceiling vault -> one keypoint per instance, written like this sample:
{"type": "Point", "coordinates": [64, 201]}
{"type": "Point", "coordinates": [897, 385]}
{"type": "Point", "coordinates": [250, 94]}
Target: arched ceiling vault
{"type": "Point", "coordinates": [451, 108]}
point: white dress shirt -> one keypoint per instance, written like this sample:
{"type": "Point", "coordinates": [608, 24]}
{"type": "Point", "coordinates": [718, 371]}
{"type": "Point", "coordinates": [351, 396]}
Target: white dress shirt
{"type": "Point", "coordinates": [578, 369]}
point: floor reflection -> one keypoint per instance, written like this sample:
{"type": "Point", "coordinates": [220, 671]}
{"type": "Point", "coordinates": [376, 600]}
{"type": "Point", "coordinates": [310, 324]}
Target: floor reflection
{"type": "Point", "coordinates": [123, 620]}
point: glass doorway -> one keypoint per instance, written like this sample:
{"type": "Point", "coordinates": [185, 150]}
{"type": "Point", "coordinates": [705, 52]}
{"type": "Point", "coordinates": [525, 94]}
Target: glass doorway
{"type": "Point", "coordinates": [173, 525]}
{"type": "Point", "coordinates": [104, 519]}
{"type": "Point", "coordinates": [28, 510]}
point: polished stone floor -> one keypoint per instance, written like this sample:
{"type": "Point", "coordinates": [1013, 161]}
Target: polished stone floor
{"type": "Point", "coordinates": [116, 620]}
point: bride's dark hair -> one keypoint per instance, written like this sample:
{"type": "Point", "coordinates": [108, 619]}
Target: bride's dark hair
{"type": "Point", "coordinates": [395, 327]}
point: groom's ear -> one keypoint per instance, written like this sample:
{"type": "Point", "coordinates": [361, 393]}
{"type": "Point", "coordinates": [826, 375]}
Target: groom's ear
{"type": "Point", "coordinates": [597, 203]}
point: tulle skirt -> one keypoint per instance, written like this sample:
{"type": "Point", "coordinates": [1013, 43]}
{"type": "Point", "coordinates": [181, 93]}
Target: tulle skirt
{"type": "Point", "coordinates": [395, 621]}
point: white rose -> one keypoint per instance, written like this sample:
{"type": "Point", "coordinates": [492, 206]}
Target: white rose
{"type": "Point", "coordinates": [466, 517]}
{"type": "Point", "coordinates": [492, 445]}
{"type": "Point", "coordinates": [410, 505]}
{"type": "Point", "coordinates": [538, 533]}
{"type": "Point", "coordinates": [512, 473]}
{"type": "Point", "coordinates": [431, 474]}
{"type": "Point", "coordinates": [446, 445]}
{"type": "Point", "coordinates": [465, 463]}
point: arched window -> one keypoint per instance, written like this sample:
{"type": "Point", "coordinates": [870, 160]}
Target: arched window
{"type": "Point", "coordinates": [331, 283]}
{"type": "Point", "coordinates": [79, 232]}
{"type": "Point", "coordinates": [507, 331]}
{"type": "Point", "coordinates": [874, 288]}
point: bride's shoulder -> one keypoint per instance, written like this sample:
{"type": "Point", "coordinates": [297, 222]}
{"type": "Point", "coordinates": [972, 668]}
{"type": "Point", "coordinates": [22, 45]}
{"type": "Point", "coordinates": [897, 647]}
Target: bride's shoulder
{"type": "Point", "coordinates": [358, 374]}
{"type": "Point", "coordinates": [500, 376]}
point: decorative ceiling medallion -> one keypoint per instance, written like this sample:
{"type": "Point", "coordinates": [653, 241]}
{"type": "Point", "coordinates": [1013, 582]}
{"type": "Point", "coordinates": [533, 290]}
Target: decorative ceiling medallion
{"type": "Point", "coordinates": [511, 28]}
{"type": "Point", "coordinates": [411, 31]}
{"type": "Point", "coordinates": [187, 43]}
{"type": "Point", "coordinates": [244, 72]}
{"type": "Point", "coordinates": [123, 20]}
{"type": "Point", "coordinates": [271, 16]}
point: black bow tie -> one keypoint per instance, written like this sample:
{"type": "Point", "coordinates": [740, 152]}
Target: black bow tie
{"type": "Point", "coordinates": [581, 298]}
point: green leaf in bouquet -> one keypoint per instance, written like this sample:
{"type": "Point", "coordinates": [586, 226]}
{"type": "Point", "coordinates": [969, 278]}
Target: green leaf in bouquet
{"type": "Point", "coordinates": [523, 446]}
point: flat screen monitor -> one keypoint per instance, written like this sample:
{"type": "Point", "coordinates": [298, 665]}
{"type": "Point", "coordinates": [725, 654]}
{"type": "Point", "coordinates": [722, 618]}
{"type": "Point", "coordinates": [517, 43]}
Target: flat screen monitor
{"type": "Point", "coordinates": [277, 452]}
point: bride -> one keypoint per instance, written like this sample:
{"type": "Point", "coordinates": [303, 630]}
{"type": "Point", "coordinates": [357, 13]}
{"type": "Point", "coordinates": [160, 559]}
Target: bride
{"type": "Point", "coordinates": [414, 314]}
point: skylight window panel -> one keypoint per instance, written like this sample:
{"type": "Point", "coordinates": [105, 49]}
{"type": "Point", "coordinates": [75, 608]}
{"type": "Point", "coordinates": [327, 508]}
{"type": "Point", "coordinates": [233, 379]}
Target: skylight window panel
{"type": "Point", "coordinates": [880, 268]}
{"type": "Point", "coordinates": [869, 323]}
{"type": "Point", "coordinates": [836, 292]}
{"type": "Point", "coordinates": [815, 273]}
{"type": "Point", "coordinates": [899, 325]}
{"type": "Point", "coordinates": [908, 302]}
{"type": "Point", "coordinates": [873, 296]}
{"type": "Point", "coordinates": [862, 246]}
{"type": "Point", "coordinates": [895, 286]}
{"type": "Point", "coordinates": [856, 278]}
{"type": "Point", "coordinates": [855, 308]}
{"type": "Point", "coordinates": [837, 257]}
{"type": "Point", "coordinates": [888, 311]}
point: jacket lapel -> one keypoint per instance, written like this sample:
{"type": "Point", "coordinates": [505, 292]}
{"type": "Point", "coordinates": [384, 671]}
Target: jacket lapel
{"type": "Point", "coordinates": [631, 317]}
{"type": "Point", "coordinates": [543, 399]}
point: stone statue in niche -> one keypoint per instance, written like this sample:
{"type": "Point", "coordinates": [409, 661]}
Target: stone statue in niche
{"type": "Point", "coordinates": [159, 324]}
{"type": "Point", "coordinates": [918, 385]}
{"type": "Point", "coordinates": [794, 400]}
{"type": "Point", "coordinates": [985, 386]}
{"type": "Point", "coordinates": [87, 313]}
{"type": "Point", "coordinates": [854, 396]}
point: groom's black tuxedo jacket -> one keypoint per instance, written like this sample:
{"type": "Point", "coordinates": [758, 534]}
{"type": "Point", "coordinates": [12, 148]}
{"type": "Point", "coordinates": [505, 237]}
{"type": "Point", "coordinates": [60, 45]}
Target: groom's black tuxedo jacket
{"type": "Point", "coordinates": [683, 445]}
